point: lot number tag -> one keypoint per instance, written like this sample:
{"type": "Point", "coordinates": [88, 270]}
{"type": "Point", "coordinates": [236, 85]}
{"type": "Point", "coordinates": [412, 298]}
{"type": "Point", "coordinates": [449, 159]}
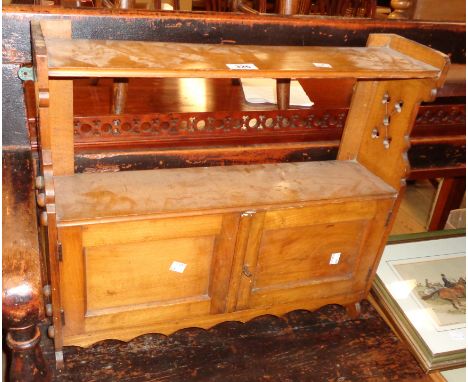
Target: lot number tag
{"type": "Point", "coordinates": [242, 66]}
{"type": "Point", "coordinates": [321, 65]}
{"type": "Point", "coordinates": [335, 258]}
{"type": "Point", "coordinates": [178, 267]}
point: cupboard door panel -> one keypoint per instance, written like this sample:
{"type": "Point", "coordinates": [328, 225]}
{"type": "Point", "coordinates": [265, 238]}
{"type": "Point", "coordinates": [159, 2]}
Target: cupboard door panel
{"type": "Point", "coordinates": [144, 272]}
{"type": "Point", "coordinates": [150, 272]}
{"type": "Point", "coordinates": [308, 254]}
{"type": "Point", "coordinates": [313, 252]}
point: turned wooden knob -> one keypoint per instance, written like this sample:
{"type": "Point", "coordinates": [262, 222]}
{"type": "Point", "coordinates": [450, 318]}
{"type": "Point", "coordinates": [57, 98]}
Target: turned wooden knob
{"type": "Point", "coordinates": [44, 218]}
{"type": "Point", "coordinates": [47, 290]}
{"type": "Point", "coordinates": [48, 310]}
{"type": "Point", "coordinates": [41, 199]}
{"type": "Point", "coordinates": [21, 315]}
{"type": "Point", "coordinates": [51, 331]}
{"type": "Point", "coordinates": [400, 9]}
{"type": "Point", "coordinates": [40, 184]}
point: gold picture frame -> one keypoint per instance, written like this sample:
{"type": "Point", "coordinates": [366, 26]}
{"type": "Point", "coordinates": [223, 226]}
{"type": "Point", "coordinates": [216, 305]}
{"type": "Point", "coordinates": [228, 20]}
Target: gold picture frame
{"type": "Point", "coordinates": [413, 278]}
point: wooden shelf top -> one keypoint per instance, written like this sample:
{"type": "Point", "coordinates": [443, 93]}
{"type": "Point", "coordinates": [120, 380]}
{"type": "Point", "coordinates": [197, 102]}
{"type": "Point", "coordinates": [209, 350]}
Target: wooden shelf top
{"type": "Point", "coordinates": [112, 58]}
{"type": "Point", "coordinates": [82, 198]}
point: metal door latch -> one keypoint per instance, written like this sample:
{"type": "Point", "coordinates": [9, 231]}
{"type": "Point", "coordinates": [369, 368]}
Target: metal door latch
{"type": "Point", "coordinates": [246, 271]}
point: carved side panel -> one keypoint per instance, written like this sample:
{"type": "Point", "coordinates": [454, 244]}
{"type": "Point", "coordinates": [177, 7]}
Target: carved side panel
{"type": "Point", "coordinates": [379, 123]}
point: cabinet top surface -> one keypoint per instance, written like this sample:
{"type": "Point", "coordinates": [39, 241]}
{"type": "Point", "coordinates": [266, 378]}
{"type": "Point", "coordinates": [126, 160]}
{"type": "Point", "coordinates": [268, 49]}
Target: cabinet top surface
{"type": "Point", "coordinates": [127, 195]}
{"type": "Point", "coordinates": [111, 58]}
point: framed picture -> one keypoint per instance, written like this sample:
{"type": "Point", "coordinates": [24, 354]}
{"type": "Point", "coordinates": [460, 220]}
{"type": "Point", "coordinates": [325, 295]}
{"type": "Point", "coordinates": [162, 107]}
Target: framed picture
{"type": "Point", "coordinates": [420, 286]}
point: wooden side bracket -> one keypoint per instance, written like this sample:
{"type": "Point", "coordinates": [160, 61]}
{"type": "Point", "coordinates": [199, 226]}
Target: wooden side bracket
{"type": "Point", "coordinates": [414, 50]}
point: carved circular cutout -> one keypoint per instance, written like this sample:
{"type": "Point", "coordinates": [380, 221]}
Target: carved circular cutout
{"type": "Point", "coordinates": [126, 127]}
{"type": "Point", "coordinates": [201, 124]}
{"type": "Point", "coordinates": [86, 129]}
{"type": "Point", "coordinates": [146, 127]}
{"type": "Point", "coordinates": [106, 128]}
{"type": "Point", "coordinates": [183, 125]}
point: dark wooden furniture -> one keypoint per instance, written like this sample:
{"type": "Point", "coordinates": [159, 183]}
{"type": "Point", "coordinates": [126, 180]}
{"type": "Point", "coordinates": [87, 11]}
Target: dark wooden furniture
{"type": "Point", "coordinates": [301, 346]}
{"type": "Point", "coordinates": [23, 270]}
{"type": "Point", "coordinates": [346, 8]}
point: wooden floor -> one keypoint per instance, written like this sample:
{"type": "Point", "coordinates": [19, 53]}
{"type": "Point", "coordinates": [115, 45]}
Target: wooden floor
{"type": "Point", "coordinates": [325, 345]}
{"type": "Point", "coordinates": [415, 209]}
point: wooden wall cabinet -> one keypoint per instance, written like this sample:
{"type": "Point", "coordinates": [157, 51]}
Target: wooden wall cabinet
{"type": "Point", "coordinates": [213, 255]}
{"type": "Point", "coordinates": [160, 250]}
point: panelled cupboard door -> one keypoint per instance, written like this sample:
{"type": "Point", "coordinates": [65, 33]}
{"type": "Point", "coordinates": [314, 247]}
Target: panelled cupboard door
{"type": "Point", "coordinates": [139, 272]}
{"type": "Point", "coordinates": [316, 253]}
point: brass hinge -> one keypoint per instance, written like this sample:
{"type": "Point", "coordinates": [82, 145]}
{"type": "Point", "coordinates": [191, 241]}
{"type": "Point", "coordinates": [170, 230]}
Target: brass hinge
{"type": "Point", "coordinates": [369, 272]}
{"type": "Point", "coordinates": [59, 251]}
{"type": "Point", "coordinates": [62, 316]}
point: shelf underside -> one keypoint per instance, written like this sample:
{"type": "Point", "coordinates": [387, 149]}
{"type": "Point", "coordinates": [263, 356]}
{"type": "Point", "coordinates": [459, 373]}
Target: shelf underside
{"type": "Point", "coordinates": [82, 198]}
{"type": "Point", "coordinates": [111, 58]}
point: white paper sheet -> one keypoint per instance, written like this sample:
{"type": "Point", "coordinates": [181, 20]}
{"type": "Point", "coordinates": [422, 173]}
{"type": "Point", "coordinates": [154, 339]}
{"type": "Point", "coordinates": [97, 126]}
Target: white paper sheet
{"type": "Point", "coordinates": [263, 90]}
{"type": "Point", "coordinates": [455, 375]}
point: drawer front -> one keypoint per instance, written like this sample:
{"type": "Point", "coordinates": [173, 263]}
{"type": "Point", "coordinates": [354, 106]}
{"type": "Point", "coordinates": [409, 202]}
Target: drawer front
{"type": "Point", "coordinates": [316, 252]}
{"type": "Point", "coordinates": [116, 275]}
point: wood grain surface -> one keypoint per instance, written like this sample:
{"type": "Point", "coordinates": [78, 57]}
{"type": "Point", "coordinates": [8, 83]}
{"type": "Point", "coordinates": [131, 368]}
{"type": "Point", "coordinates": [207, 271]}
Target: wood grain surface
{"type": "Point", "coordinates": [89, 196]}
{"type": "Point", "coordinates": [22, 271]}
{"type": "Point", "coordinates": [147, 277]}
{"type": "Point", "coordinates": [110, 58]}
{"type": "Point", "coordinates": [300, 347]}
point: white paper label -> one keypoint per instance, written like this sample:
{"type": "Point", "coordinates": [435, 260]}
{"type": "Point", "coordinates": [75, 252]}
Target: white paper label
{"type": "Point", "coordinates": [242, 66]}
{"type": "Point", "coordinates": [178, 267]}
{"type": "Point", "coordinates": [322, 65]}
{"type": "Point", "coordinates": [335, 258]}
